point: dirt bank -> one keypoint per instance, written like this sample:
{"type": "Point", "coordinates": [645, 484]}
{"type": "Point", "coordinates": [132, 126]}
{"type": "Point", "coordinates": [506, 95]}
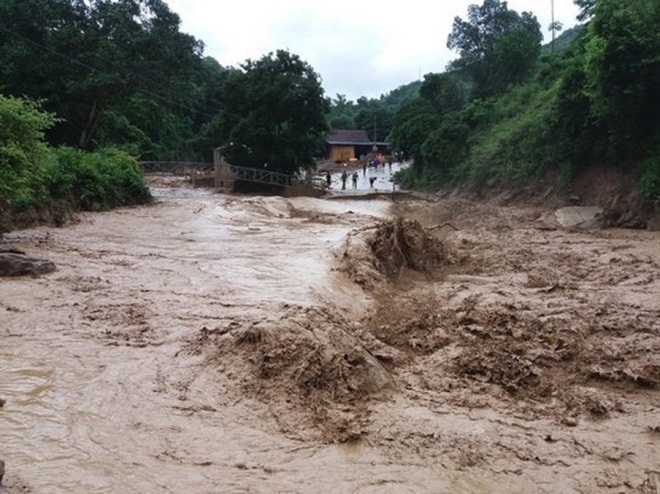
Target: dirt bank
{"type": "Point", "coordinates": [210, 343]}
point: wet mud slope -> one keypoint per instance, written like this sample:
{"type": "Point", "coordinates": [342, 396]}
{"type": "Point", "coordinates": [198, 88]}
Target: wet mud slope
{"type": "Point", "coordinates": [211, 343]}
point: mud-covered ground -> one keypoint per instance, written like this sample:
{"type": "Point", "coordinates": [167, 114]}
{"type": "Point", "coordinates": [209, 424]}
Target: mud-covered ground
{"type": "Point", "coordinates": [211, 343]}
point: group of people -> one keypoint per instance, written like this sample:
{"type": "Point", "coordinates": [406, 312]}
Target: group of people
{"type": "Point", "coordinates": [373, 161]}
{"type": "Point", "coordinates": [344, 178]}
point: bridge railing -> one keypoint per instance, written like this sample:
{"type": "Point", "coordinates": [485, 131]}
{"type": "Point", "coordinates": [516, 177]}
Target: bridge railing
{"type": "Point", "coordinates": [259, 175]}
{"type": "Point", "coordinates": [264, 176]}
{"type": "Point", "coordinates": [227, 174]}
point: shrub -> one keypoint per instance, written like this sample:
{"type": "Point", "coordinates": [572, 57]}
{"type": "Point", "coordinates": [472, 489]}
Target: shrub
{"type": "Point", "coordinates": [649, 180]}
{"type": "Point", "coordinates": [104, 179]}
{"type": "Point", "coordinates": [22, 150]}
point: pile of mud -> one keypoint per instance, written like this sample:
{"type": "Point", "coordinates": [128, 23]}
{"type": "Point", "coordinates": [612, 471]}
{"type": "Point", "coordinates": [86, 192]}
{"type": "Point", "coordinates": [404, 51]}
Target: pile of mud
{"type": "Point", "coordinates": [306, 359]}
{"type": "Point", "coordinates": [382, 253]}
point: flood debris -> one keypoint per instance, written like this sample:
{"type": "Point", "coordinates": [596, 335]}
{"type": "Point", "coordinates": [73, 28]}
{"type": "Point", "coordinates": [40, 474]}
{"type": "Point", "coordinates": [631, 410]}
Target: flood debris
{"type": "Point", "coordinates": [404, 244]}
{"type": "Point", "coordinates": [382, 252]}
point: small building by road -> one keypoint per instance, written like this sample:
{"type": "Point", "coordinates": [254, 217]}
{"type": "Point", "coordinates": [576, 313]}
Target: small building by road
{"type": "Point", "coordinates": [349, 145]}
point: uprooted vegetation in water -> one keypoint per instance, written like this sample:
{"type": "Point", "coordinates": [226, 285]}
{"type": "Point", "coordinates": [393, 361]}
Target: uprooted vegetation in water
{"type": "Point", "coordinates": [381, 253]}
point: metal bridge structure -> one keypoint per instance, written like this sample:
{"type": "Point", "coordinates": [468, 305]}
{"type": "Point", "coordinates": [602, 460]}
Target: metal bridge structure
{"type": "Point", "coordinates": [225, 177]}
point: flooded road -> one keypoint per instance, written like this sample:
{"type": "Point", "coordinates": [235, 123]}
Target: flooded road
{"type": "Point", "coordinates": [169, 350]}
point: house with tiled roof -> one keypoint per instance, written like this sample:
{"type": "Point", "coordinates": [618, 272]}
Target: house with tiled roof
{"type": "Point", "coordinates": [349, 145]}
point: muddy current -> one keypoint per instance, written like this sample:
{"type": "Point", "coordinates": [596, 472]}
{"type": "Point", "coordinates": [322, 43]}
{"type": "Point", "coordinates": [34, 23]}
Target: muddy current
{"type": "Point", "coordinates": [213, 343]}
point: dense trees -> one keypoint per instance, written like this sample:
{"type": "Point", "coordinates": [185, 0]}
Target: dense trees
{"type": "Point", "coordinates": [120, 73]}
{"type": "Point", "coordinates": [375, 115]}
{"type": "Point", "coordinates": [273, 114]}
{"type": "Point", "coordinates": [498, 47]}
{"type": "Point", "coordinates": [22, 150]}
{"type": "Point", "coordinates": [622, 73]}
{"type": "Point", "coordinates": [594, 102]}
{"type": "Point", "coordinates": [85, 59]}
{"type": "Point", "coordinates": [34, 175]}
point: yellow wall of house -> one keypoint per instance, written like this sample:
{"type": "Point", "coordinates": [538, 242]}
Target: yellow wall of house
{"type": "Point", "coordinates": [343, 153]}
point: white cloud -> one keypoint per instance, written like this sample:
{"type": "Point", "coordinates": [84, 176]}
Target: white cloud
{"type": "Point", "coordinates": [359, 47]}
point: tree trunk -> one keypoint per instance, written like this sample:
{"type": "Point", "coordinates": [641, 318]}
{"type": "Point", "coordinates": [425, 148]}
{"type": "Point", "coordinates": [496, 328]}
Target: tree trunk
{"type": "Point", "coordinates": [92, 124]}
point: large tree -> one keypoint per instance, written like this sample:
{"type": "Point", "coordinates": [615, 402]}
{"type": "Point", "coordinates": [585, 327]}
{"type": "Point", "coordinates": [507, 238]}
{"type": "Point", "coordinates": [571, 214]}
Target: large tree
{"type": "Point", "coordinates": [586, 8]}
{"type": "Point", "coordinates": [273, 115]}
{"type": "Point", "coordinates": [412, 125]}
{"type": "Point", "coordinates": [374, 117]}
{"type": "Point", "coordinates": [498, 47]}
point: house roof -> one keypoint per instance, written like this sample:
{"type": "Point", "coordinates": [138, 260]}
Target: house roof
{"type": "Point", "coordinates": [348, 137]}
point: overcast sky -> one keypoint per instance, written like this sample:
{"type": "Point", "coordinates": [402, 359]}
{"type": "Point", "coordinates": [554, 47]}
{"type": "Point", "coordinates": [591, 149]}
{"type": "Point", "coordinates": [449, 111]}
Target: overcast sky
{"type": "Point", "coordinates": [359, 47]}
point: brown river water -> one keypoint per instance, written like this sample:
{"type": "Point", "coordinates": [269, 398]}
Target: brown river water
{"type": "Point", "coordinates": [152, 359]}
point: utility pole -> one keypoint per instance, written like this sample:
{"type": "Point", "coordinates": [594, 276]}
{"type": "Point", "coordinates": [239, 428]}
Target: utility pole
{"type": "Point", "coordinates": [552, 26]}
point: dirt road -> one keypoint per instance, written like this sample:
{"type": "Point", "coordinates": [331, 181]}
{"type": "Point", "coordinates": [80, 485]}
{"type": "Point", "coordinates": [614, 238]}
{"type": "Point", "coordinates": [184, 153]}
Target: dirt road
{"type": "Point", "coordinates": [209, 343]}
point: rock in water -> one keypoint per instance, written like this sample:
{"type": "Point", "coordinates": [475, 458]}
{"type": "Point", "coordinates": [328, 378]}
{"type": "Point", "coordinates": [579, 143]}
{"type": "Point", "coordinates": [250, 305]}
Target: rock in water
{"type": "Point", "coordinates": [584, 217]}
{"type": "Point", "coordinates": [18, 264]}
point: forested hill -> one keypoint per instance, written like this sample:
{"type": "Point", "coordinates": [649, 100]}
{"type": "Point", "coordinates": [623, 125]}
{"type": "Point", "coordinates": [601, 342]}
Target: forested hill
{"type": "Point", "coordinates": [376, 114]}
{"type": "Point", "coordinates": [525, 114]}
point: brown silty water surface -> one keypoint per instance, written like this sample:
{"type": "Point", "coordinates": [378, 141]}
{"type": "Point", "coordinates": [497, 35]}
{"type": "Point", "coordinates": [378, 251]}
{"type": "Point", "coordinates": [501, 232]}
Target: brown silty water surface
{"type": "Point", "coordinates": [212, 343]}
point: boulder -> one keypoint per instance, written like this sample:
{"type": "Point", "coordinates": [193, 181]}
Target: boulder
{"type": "Point", "coordinates": [16, 263]}
{"type": "Point", "coordinates": [586, 217]}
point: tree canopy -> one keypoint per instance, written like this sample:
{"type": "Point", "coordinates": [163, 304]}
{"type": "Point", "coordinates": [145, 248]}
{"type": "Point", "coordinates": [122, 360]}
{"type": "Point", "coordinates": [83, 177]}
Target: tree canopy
{"type": "Point", "coordinates": [498, 47]}
{"type": "Point", "coordinates": [273, 114]}
{"type": "Point", "coordinates": [113, 70]}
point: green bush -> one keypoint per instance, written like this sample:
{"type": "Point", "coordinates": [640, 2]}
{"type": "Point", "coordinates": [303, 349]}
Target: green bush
{"type": "Point", "coordinates": [104, 179]}
{"type": "Point", "coordinates": [33, 175]}
{"type": "Point", "coordinates": [22, 151]}
{"type": "Point", "coordinates": [649, 180]}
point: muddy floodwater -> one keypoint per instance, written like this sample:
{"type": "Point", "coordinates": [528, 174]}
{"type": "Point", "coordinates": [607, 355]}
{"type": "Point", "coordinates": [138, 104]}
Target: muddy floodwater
{"type": "Point", "coordinates": [211, 343]}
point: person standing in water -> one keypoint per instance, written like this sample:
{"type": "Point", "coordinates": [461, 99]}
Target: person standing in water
{"type": "Point", "coordinates": [355, 179]}
{"type": "Point", "coordinates": [344, 177]}
{"type": "Point", "coordinates": [328, 179]}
